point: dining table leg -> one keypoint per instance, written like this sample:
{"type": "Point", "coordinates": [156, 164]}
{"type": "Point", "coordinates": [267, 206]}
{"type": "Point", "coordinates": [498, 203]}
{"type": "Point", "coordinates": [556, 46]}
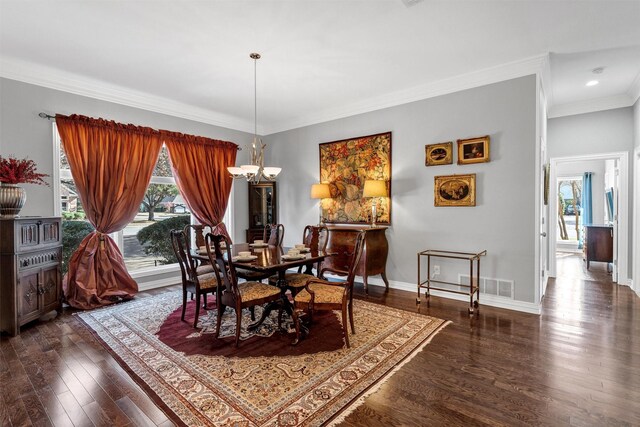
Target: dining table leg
{"type": "Point", "coordinates": [284, 302]}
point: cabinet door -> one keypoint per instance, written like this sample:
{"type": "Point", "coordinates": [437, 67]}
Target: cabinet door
{"type": "Point", "coordinates": [50, 288]}
{"type": "Point", "coordinates": [28, 296]}
{"type": "Point", "coordinates": [50, 231]}
{"type": "Point", "coordinates": [28, 234]}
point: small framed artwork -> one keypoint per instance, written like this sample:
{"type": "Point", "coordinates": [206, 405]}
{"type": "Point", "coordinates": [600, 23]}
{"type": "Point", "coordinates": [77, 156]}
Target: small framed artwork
{"type": "Point", "coordinates": [438, 154]}
{"type": "Point", "coordinates": [473, 150]}
{"type": "Point", "coordinates": [455, 190]}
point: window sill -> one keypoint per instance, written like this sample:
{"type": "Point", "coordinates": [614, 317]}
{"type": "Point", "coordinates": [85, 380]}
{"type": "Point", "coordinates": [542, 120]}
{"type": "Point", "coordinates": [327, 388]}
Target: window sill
{"type": "Point", "coordinates": [154, 271]}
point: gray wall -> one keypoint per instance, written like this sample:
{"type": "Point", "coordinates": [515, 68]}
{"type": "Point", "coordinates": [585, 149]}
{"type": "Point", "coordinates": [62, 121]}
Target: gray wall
{"type": "Point", "coordinates": [24, 134]}
{"type": "Point", "coordinates": [503, 220]}
{"type": "Point", "coordinates": [601, 132]}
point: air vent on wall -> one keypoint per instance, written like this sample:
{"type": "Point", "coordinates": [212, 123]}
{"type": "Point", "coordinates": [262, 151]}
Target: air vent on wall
{"type": "Point", "coordinates": [490, 286]}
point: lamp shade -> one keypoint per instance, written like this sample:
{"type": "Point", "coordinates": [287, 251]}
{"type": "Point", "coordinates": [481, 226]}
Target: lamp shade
{"type": "Point", "coordinates": [233, 170]}
{"type": "Point", "coordinates": [271, 171]}
{"type": "Point", "coordinates": [320, 191]}
{"type": "Point", "coordinates": [374, 188]}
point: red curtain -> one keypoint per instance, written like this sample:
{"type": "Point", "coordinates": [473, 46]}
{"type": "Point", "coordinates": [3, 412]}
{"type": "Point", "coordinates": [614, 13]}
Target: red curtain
{"type": "Point", "coordinates": [199, 167]}
{"type": "Point", "coordinates": [111, 164]}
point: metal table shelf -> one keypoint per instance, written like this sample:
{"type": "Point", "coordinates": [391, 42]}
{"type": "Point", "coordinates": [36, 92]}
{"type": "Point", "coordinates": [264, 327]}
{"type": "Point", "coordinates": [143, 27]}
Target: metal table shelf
{"type": "Point", "coordinates": [474, 288]}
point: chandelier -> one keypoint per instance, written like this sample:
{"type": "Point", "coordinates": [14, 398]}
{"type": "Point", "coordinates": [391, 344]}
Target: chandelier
{"type": "Point", "coordinates": [255, 171]}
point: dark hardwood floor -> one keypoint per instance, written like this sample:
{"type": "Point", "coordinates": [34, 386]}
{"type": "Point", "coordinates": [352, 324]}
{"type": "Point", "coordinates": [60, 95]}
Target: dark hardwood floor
{"type": "Point", "coordinates": [576, 364]}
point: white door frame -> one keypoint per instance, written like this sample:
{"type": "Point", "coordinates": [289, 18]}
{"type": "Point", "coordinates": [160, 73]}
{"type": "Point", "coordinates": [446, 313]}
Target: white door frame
{"type": "Point", "coordinates": [623, 212]}
{"type": "Point", "coordinates": [636, 223]}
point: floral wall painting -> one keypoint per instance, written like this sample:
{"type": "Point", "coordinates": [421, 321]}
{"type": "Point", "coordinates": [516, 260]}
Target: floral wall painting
{"type": "Point", "coordinates": [455, 190]}
{"type": "Point", "coordinates": [473, 150]}
{"type": "Point", "coordinates": [345, 165]}
{"type": "Point", "coordinates": [438, 154]}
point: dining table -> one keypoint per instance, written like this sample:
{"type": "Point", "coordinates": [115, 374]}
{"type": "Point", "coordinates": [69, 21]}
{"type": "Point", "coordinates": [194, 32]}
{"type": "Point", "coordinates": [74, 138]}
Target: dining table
{"type": "Point", "coordinates": [269, 259]}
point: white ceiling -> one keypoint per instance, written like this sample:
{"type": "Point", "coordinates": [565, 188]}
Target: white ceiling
{"type": "Point", "coordinates": [320, 59]}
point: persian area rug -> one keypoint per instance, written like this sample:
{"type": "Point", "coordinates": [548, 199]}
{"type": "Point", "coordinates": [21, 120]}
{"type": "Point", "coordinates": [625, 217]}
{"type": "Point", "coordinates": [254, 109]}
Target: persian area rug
{"type": "Point", "coordinates": [265, 382]}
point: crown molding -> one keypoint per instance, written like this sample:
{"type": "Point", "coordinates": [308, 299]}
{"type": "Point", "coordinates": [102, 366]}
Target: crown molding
{"type": "Point", "coordinates": [79, 85]}
{"type": "Point", "coordinates": [590, 106]}
{"type": "Point", "coordinates": [511, 70]}
{"type": "Point", "coordinates": [68, 82]}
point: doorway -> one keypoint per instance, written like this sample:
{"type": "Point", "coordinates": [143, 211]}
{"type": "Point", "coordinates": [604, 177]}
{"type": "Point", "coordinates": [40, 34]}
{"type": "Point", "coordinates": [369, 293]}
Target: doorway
{"type": "Point", "coordinates": [569, 214]}
{"type": "Point", "coordinates": [609, 173]}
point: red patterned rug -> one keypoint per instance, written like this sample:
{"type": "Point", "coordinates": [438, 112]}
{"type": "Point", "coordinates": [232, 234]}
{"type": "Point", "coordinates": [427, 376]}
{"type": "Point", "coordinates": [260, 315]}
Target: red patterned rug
{"type": "Point", "coordinates": [266, 382]}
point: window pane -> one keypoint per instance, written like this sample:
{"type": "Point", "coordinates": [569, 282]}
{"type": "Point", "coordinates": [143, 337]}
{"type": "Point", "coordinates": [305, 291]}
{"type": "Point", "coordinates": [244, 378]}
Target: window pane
{"type": "Point", "coordinates": [146, 240]}
{"type": "Point", "coordinates": [163, 166]}
{"type": "Point", "coordinates": [75, 226]}
{"type": "Point", "coordinates": [569, 209]}
{"type": "Point", "coordinates": [64, 163]}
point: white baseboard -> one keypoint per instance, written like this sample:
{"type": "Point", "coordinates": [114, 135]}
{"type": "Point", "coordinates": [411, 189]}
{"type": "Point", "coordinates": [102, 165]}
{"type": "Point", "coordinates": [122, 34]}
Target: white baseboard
{"type": "Point", "coordinates": [490, 300]}
{"type": "Point", "coordinates": [635, 288]}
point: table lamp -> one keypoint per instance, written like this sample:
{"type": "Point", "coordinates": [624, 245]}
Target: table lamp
{"type": "Point", "coordinates": [372, 189]}
{"type": "Point", "coordinates": [320, 191]}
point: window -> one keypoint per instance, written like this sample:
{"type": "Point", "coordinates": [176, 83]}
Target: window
{"type": "Point", "coordinates": [143, 242]}
{"type": "Point", "coordinates": [569, 208]}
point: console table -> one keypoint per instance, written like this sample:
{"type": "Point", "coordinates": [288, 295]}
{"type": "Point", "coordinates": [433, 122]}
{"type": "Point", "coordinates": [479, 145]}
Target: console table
{"type": "Point", "coordinates": [474, 279]}
{"type": "Point", "coordinates": [30, 270]}
{"type": "Point", "coordinates": [374, 254]}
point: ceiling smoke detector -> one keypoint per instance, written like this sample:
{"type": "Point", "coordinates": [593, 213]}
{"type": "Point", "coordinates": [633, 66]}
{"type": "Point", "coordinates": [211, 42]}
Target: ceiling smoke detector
{"type": "Point", "coordinates": [597, 70]}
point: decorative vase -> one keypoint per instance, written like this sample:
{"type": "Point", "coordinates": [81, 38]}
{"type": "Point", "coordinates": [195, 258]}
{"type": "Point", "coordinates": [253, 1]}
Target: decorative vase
{"type": "Point", "coordinates": [12, 199]}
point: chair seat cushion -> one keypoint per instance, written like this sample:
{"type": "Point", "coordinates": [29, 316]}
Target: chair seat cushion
{"type": "Point", "coordinates": [204, 269]}
{"type": "Point", "coordinates": [294, 280]}
{"type": "Point", "coordinates": [250, 291]}
{"type": "Point", "coordinates": [207, 281]}
{"type": "Point", "coordinates": [324, 294]}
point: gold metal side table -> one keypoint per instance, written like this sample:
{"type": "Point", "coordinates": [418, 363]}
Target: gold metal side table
{"type": "Point", "coordinates": [474, 283]}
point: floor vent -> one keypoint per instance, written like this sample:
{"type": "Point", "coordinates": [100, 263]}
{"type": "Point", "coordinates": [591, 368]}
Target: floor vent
{"type": "Point", "coordinates": [490, 286]}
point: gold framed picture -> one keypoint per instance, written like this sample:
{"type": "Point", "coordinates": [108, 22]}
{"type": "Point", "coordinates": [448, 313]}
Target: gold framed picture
{"type": "Point", "coordinates": [438, 154]}
{"type": "Point", "coordinates": [455, 190]}
{"type": "Point", "coordinates": [473, 150]}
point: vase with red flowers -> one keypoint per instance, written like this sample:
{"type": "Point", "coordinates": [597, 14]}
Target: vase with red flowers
{"type": "Point", "coordinates": [15, 171]}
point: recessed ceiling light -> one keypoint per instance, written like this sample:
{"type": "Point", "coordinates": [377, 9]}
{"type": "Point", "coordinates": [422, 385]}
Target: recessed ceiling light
{"type": "Point", "coordinates": [592, 82]}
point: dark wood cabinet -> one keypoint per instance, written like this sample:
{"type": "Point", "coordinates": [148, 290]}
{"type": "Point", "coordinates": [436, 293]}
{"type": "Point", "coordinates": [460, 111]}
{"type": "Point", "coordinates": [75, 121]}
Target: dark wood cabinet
{"type": "Point", "coordinates": [598, 243]}
{"type": "Point", "coordinates": [374, 255]}
{"type": "Point", "coordinates": [30, 270]}
{"type": "Point", "coordinates": [263, 208]}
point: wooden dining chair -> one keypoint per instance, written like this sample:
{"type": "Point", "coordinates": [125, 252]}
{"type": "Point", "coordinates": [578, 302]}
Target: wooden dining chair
{"type": "Point", "coordinates": [192, 282]}
{"type": "Point", "coordinates": [321, 294]}
{"type": "Point", "coordinates": [316, 238]}
{"type": "Point", "coordinates": [195, 233]}
{"type": "Point", "coordinates": [273, 234]}
{"type": "Point", "coordinates": [231, 293]}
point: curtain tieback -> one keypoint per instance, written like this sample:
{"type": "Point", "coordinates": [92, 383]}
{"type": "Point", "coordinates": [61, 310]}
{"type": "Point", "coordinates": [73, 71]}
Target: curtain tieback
{"type": "Point", "coordinates": [101, 238]}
